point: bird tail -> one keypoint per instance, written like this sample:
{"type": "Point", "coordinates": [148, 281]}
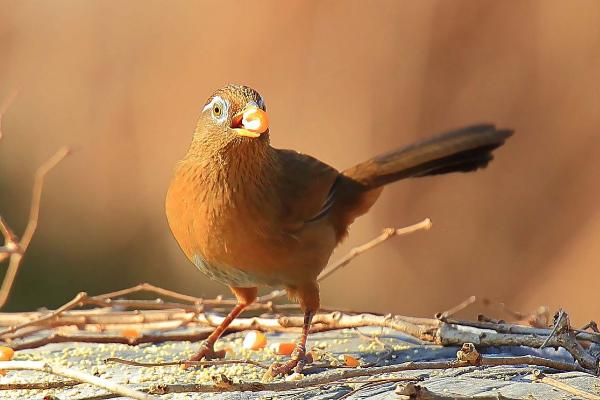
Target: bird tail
{"type": "Point", "coordinates": [463, 150]}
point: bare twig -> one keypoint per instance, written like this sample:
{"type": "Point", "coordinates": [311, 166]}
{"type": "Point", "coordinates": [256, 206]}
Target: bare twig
{"type": "Point", "coordinates": [36, 198]}
{"type": "Point", "coordinates": [160, 322]}
{"type": "Point", "coordinates": [205, 363]}
{"type": "Point", "coordinates": [538, 318]}
{"type": "Point", "coordinates": [385, 235]}
{"type": "Point", "coordinates": [503, 327]}
{"type": "Point", "coordinates": [459, 307]}
{"type": "Point", "coordinates": [538, 376]}
{"type": "Point", "coordinates": [431, 330]}
{"type": "Point", "coordinates": [590, 325]}
{"type": "Point", "coordinates": [112, 387]}
{"type": "Point", "coordinates": [339, 375]}
{"type": "Point", "coordinates": [198, 304]}
{"type": "Point", "coordinates": [38, 385]}
{"type": "Point", "coordinates": [355, 252]}
{"type": "Point", "coordinates": [104, 338]}
{"type": "Point", "coordinates": [98, 316]}
{"type": "Point", "coordinates": [469, 354]}
{"type": "Point", "coordinates": [336, 320]}
{"type": "Point", "coordinates": [375, 338]}
{"type": "Point", "coordinates": [453, 335]}
{"type": "Point", "coordinates": [15, 258]}
{"type": "Point", "coordinates": [11, 242]}
{"type": "Point", "coordinates": [147, 287]}
{"type": "Point", "coordinates": [375, 382]}
{"type": "Point", "coordinates": [77, 300]}
{"type": "Point", "coordinates": [8, 234]}
{"type": "Point", "coordinates": [561, 323]}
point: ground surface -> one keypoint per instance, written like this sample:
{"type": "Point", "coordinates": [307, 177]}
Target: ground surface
{"type": "Point", "coordinates": [479, 382]}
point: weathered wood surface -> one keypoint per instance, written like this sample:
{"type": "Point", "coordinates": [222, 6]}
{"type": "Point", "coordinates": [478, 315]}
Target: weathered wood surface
{"type": "Point", "coordinates": [468, 382]}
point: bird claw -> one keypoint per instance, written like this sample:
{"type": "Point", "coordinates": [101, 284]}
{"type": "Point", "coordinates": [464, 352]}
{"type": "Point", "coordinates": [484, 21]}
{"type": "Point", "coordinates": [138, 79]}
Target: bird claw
{"type": "Point", "coordinates": [295, 364]}
{"type": "Point", "coordinates": [206, 352]}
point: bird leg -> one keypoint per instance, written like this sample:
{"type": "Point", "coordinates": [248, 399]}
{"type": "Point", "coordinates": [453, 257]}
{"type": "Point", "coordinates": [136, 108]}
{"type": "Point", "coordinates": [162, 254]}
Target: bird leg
{"type": "Point", "coordinates": [245, 297]}
{"type": "Point", "coordinates": [299, 357]}
{"type": "Point", "coordinates": [308, 297]}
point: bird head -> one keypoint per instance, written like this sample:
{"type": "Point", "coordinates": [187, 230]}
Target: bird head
{"type": "Point", "coordinates": [233, 115]}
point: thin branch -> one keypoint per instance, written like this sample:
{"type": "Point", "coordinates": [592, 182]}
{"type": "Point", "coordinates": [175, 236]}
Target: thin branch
{"type": "Point", "coordinates": [459, 307]}
{"type": "Point", "coordinates": [11, 242]}
{"type": "Point", "coordinates": [538, 376]}
{"type": "Point", "coordinates": [161, 322]}
{"type": "Point", "coordinates": [529, 360]}
{"type": "Point", "coordinates": [339, 375]}
{"type": "Point", "coordinates": [147, 287]}
{"type": "Point", "coordinates": [15, 258]}
{"type": "Point", "coordinates": [38, 385]}
{"type": "Point", "coordinates": [387, 233]}
{"type": "Point", "coordinates": [8, 234]}
{"type": "Point", "coordinates": [355, 252]}
{"type": "Point", "coordinates": [190, 363]}
{"type": "Point", "coordinates": [103, 338]}
{"type": "Point", "coordinates": [504, 327]}
{"type": "Point", "coordinates": [453, 335]}
{"type": "Point", "coordinates": [375, 382]}
{"type": "Point", "coordinates": [102, 316]}
{"type": "Point", "coordinates": [77, 300]}
{"type": "Point", "coordinates": [112, 387]}
{"type": "Point", "coordinates": [6, 251]}
{"type": "Point", "coordinates": [336, 320]}
{"type": "Point", "coordinates": [36, 197]}
{"type": "Point", "coordinates": [561, 323]}
{"type": "Point", "coordinates": [200, 304]}
{"type": "Point", "coordinates": [590, 325]}
{"type": "Point", "coordinates": [538, 318]}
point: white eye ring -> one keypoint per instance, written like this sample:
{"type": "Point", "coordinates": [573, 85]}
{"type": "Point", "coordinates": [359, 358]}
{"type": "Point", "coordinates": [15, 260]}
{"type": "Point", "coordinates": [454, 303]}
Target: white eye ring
{"type": "Point", "coordinates": [217, 103]}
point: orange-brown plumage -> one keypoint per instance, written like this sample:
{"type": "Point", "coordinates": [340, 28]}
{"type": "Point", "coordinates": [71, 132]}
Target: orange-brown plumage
{"type": "Point", "coordinates": [248, 214]}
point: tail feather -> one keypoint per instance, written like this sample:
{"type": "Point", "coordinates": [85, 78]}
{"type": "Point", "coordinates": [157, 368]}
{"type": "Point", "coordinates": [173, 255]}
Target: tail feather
{"type": "Point", "coordinates": [463, 150]}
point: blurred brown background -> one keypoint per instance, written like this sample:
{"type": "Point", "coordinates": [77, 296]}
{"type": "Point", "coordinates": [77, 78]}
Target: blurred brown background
{"type": "Point", "coordinates": [122, 83]}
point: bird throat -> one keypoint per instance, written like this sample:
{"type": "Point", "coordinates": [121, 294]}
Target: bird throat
{"type": "Point", "coordinates": [240, 175]}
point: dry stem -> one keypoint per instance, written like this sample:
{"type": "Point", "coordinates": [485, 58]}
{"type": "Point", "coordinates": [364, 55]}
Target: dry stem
{"type": "Point", "coordinates": [339, 375]}
{"type": "Point", "coordinates": [147, 287]}
{"type": "Point", "coordinates": [205, 363]}
{"type": "Point", "coordinates": [453, 335]}
{"type": "Point", "coordinates": [80, 376]}
{"type": "Point", "coordinates": [11, 242]}
{"type": "Point", "coordinates": [441, 331]}
{"type": "Point", "coordinates": [38, 385]}
{"type": "Point", "coordinates": [16, 257]}
{"type": "Point", "coordinates": [387, 233]}
{"type": "Point", "coordinates": [538, 376]}
{"type": "Point", "coordinates": [355, 252]}
{"type": "Point", "coordinates": [459, 307]}
{"type": "Point", "coordinates": [77, 300]}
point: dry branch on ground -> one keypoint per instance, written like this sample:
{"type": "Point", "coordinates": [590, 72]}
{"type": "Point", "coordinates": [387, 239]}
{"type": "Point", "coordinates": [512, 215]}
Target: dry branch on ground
{"type": "Point", "coordinates": [104, 324]}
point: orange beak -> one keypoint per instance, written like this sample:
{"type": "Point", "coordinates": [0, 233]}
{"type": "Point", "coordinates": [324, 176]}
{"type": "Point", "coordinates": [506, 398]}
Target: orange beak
{"type": "Point", "coordinates": [251, 122]}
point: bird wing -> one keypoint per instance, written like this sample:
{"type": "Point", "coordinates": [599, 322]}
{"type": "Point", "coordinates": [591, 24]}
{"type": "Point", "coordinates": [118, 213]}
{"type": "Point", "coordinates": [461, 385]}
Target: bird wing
{"type": "Point", "coordinates": [307, 188]}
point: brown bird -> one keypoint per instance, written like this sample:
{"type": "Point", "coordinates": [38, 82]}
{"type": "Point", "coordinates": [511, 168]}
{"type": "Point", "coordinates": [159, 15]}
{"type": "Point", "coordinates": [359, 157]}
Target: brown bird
{"type": "Point", "coordinates": [249, 215]}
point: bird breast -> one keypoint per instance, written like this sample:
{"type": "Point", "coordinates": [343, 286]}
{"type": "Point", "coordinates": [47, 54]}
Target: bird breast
{"type": "Point", "coordinates": [228, 222]}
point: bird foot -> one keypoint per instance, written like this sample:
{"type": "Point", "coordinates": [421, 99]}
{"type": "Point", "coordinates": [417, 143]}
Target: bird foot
{"type": "Point", "coordinates": [295, 364]}
{"type": "Point", "coordinates": [206, 352]}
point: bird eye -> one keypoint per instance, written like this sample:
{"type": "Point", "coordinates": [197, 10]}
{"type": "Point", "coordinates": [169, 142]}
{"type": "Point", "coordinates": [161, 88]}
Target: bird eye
{"type": "Point", "coordinates": [217, 110]}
